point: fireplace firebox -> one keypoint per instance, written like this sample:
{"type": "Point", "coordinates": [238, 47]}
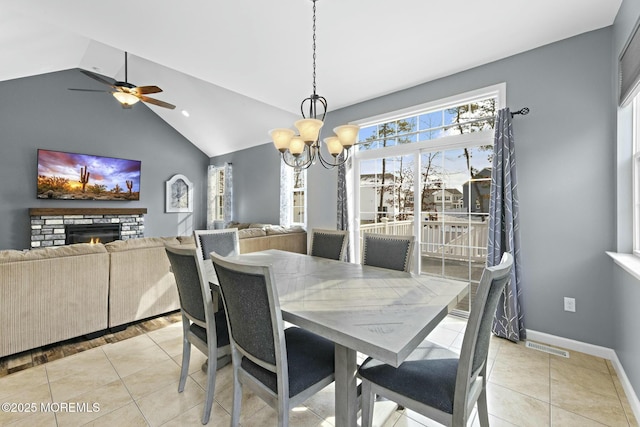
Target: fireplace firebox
{"type": "Point", "coordinates": [92, 233]}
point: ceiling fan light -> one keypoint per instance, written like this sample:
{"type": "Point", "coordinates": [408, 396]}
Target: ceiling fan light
{"type": "Point", "coordinates": [309, 129]}
{"type": "Point", "coordinates": [348, 135]}
{"type": "Point", "coordinates": [281, 138]}
{"type": "Point", "coordinates": [333, 145]}
{"type": "Point", "coordinates": [125, 98]}
{"type": "Point", "coordinates": [297, 146]}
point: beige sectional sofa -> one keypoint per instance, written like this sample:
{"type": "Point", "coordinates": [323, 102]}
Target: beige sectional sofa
{"type": "Point", "coordinates": [259, 237]}
{"type": "Point", "coordinates": [54, 294]}
{"type": "Point", "coordinates": [140, 282]}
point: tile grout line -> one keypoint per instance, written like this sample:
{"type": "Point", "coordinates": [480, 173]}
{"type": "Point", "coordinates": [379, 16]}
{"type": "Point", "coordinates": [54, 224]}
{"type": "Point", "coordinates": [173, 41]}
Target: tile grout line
{"type": "Point", "coordinates": [125, 387]}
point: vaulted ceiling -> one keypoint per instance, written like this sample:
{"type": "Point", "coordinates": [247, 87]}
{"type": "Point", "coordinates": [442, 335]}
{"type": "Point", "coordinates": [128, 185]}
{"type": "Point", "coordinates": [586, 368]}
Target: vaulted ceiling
{"type": "Point", "coordinates": [241, 67]}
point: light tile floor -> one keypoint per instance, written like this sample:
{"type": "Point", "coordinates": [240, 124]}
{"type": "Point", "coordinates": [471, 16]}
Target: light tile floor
{"type": "Point", "coordinates": [133, 382]}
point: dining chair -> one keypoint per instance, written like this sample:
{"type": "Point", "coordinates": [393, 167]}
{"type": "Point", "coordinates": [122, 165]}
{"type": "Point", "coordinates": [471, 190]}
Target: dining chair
{"type": "Point", "coordinates": [224, 242]}
{"type": "Point", "coordinates": [284, 367]}
{"type": "Point", "coordinates": [435, 381]}
{"type": "Point", "coordinates": [330, 244]}
{"type": "Point", "coordinates": [387, 251]}
{"type": "Point", "coordinates": [201, 326]}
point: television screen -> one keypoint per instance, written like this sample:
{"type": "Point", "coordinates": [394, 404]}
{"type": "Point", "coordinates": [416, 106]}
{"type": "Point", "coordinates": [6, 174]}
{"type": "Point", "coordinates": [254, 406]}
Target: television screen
{"type": "Point", "coordinates": [71, 176]}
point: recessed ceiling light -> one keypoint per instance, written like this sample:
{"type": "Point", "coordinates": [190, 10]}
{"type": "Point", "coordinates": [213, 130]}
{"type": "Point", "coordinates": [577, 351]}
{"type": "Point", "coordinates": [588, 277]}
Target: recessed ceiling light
{"type": "Point", "coordinates": [185, 113]}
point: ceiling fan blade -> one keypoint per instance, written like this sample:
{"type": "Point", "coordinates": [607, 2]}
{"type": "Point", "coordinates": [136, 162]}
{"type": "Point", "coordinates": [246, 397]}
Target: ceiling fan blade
{"type": "Point", "coordinates": [97, 78]}
{"type": "Point", "coordinates": [157, 102]}
{"type": "Point", "coordinates": [89, 90]}
{"type": "Point", "coordinates": [143, 90]}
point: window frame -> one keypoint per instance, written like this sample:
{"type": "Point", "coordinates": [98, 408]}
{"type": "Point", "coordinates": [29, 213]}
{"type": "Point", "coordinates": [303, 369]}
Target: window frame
{"type": "Point", "coordinates": [449, 142]}
{"type": "Point", "coordinates": [292, 193]}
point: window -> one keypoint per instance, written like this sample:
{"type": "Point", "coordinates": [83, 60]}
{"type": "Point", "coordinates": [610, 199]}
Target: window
{"type": "Point", "coordinates": [427, 172]}
{"type": "Point", "coordinates": [299, 197]}
{"type": "Point", "coordinates": [219, 195]}
{"type": "Point", "coordinates": [429, 124]}
{"type": "Point", "coordinates": [215, 197]}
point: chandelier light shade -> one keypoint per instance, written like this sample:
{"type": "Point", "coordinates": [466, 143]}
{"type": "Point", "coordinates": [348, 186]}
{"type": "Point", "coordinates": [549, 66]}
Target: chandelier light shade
{"type": "Point", "coordinates": [347, 134]}
{"type": "Point", "coordinates": [282, 138]}
{"type": "Point", "coordinates": [309, 129]}
{"type": "Point", "coordinates": [301, 150]}
{"type": "Point", "coordinates": [333, 145]}
{"type": "Point", "coordinates": [297, 146]}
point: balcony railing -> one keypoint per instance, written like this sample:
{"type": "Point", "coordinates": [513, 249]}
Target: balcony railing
{"type": "Point", "coordinates": [449, 237]}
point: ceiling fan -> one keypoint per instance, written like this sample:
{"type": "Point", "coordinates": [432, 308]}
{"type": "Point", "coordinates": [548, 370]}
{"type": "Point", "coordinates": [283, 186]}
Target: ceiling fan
{"type": "Point", "coordinates": [126, 93]}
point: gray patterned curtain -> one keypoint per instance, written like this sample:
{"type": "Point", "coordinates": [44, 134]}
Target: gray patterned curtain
{"type": "Point", "coordinates": [343, 208]}
{"type": "Point", "coordinates": [227, 202]}
{"type": "Point", "coordinates": [504, 228]}
{"type": "Point", "coordinates": [286, 187]}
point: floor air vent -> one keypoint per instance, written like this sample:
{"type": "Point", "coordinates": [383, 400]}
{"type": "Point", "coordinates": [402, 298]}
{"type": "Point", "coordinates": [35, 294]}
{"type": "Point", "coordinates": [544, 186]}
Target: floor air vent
{"type": "Point", "coordinates": [547, 349]}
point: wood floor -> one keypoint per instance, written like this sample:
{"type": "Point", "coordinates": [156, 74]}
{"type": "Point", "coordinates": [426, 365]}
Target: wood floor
{"type": "Point", "coordinates": [49, 353]}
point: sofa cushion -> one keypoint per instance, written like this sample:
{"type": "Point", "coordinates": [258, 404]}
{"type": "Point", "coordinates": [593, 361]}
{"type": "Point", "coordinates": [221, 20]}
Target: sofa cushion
{"type": "Point", "coordinates": [238, 225]}
{"type": "Point", "coordinates": [187, 240]}
{"type": "Point", "coordinates": [259, 225]}
{"type": "Point", "coordinates": [51, 252]}
{"type": "Point", "coordinates": [251, 232]}
{"type": "Point", "coordinates": [276, 229]}
{"type": "Point", "coordinates": [144, 242]}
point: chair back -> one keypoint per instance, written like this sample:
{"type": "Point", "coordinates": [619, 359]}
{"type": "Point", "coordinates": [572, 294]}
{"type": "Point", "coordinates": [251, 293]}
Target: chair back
{"type": "Point", "coordinates": [475, 344]}
{"type": "Point", "coordinates": [330, 244]}
{"type": "Point", "coordinates": [224, 242]}
{"type": "Point", "coordinates": [195, 297]}
{"type": "Point", "coordinates": [253, 311]}
{"type": "Point", "coordinates": [387, 251]}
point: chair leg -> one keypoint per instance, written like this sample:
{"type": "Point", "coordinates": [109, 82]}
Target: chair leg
{"type": "Point", "coordinates": [186, 356]}
{"type": "Point", "coordinates": [211, 387]}
{"type": "Point", "coordinates": [483, 412]}
{"type": "Point", "coordinates": [367, 404]}
{"type": "Point", "coordinates": [237, 399]}
{"type": "Point", "coordinates": [283, 412]}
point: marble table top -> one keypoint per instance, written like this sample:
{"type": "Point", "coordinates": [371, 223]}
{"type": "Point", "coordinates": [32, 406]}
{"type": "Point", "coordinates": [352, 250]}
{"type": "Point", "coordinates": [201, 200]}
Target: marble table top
{"type": "Point", "coordinates": [379, 312]}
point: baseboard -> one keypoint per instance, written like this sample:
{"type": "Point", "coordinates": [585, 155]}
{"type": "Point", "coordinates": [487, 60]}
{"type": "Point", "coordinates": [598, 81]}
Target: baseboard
{"type": "Point", "coordinates": [594, 350]}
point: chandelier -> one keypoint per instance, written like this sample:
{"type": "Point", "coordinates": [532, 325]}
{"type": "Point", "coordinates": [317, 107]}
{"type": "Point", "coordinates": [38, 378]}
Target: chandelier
{"type": "Point", "coordinates": [302, 149]}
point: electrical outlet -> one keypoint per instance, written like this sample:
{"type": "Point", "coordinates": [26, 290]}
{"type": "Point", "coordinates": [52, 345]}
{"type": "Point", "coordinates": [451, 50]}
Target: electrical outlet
{"type": "Point", "coordinates": [569, 304]}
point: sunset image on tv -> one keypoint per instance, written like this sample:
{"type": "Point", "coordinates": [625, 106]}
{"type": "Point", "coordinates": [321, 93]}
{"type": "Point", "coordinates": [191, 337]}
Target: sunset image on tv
{"type": "Point", "coordinates": [74, 176]}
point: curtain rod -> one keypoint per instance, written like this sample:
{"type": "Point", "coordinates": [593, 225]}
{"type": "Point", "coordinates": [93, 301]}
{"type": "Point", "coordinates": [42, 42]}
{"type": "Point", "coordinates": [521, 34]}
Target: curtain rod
{"type": "Point", "coordinates": [524, 111]}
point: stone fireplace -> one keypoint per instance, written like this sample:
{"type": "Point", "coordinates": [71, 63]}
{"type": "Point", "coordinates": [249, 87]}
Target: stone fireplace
{"type": "Point", "coordinates": [91, 233]}
{"type": "Point", "coordinates": [60, 226]}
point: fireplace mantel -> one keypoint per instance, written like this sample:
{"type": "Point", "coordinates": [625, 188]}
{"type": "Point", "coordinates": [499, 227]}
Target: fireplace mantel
{"type": "Point", "coordinates": [86, 211]}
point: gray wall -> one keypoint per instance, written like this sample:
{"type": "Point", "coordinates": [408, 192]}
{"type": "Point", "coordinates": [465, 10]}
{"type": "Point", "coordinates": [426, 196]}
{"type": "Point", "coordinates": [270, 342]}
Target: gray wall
{"type": "Point", "coordinates": [39, 112]}
{"type": "Point", "coordinates": [256, 183]}
{"type": "Point", "coordinates": [565, 150]}
{"type": "Point", "coordinates": [626, 289]}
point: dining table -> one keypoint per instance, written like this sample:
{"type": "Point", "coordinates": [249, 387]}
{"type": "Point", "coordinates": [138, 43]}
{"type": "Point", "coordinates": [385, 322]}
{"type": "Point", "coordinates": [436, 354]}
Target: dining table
{"type": "Point", "coordinates": [374, 311]}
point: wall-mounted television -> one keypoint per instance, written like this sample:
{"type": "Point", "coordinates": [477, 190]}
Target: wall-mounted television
{"type": "Point", "coordinates": [73, 176]}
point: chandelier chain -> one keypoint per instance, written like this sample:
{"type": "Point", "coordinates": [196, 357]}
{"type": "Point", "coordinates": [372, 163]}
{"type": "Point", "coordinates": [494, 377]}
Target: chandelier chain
{"type": "Point", "coordinates": [307, 149]}
{"type": "Point", "coordinates": [314, 47]}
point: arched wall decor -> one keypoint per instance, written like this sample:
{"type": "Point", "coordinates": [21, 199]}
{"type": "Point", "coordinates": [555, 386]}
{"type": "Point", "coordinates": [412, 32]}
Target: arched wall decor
{"type": "Point", "coordinates": [179, 194]}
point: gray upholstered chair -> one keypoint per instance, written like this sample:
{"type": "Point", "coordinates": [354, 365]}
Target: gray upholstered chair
{"type": "Point", "coordinates": [203, 328]}
{"type": "Point", "coordinates": [437, 382]}
{"type": "Point", "coordinates": [387, 251]}
{"type": "Point", "coordinates": [283, 367]}
{"type": "Point", "coordinates": [330, 244]}
{"type": "Point", "coordinates": [224, 242]}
